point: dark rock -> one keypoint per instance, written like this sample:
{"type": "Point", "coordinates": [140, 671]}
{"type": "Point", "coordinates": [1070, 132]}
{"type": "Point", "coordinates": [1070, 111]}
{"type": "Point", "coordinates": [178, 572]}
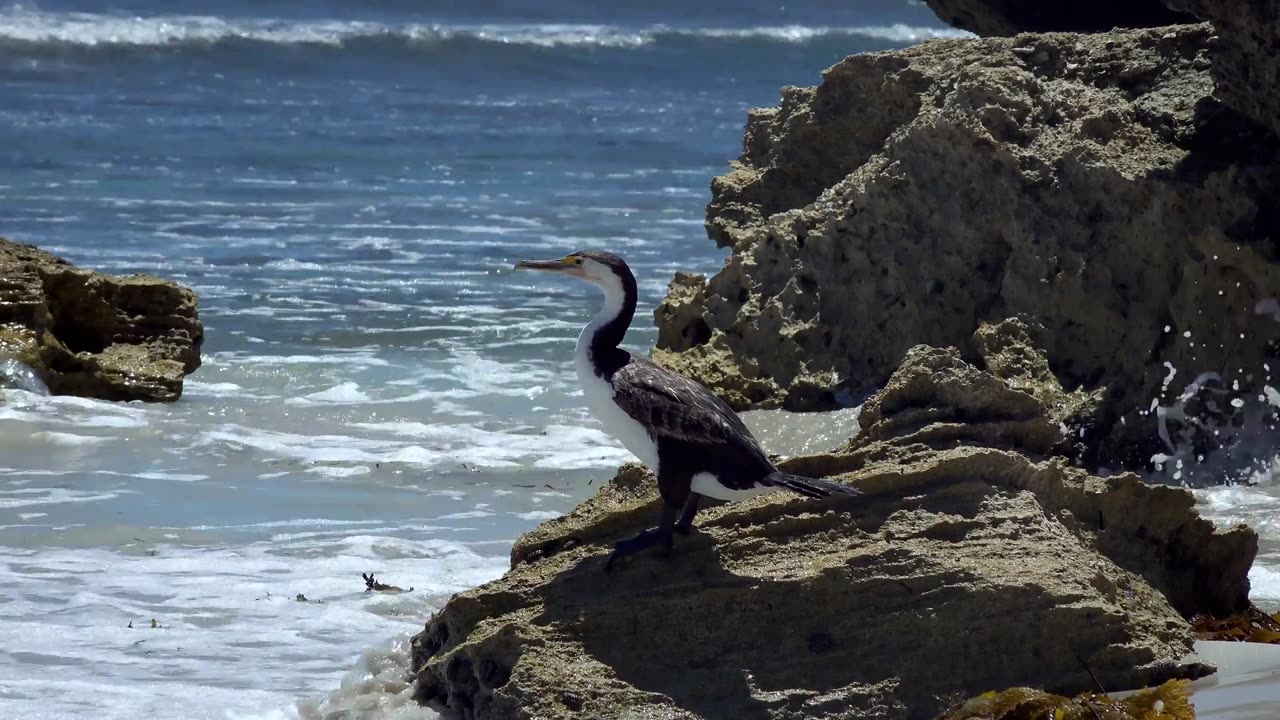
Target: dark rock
{"type": "Point", "coordinates": [1246, 56]}
{"type": "Point", "coordinates": [1010, 17]}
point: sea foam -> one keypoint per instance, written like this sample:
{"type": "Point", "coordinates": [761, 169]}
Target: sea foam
{"type": "Point", "coordinates": [20, 26]}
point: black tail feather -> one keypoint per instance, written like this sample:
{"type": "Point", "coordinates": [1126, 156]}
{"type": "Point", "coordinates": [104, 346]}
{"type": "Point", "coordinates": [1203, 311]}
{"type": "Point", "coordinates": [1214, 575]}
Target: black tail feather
{"type": "Point", "coordinates": [810, 487]}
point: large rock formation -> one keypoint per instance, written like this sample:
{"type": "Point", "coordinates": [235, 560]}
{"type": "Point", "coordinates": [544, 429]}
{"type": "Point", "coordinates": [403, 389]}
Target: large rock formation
{"type": "Point", "coordinates": [1089, 182]}
{"type": "Point", "coordinates": [86, 333]}
{"type": "Point", "coordinates": [971, 563]}
{"type": "Point", "coordinates": [1010, 17]}
{"type": "Point", "coordinates": [1245, 49]}
{"type": "Point", "coordinates": [1246, 55]}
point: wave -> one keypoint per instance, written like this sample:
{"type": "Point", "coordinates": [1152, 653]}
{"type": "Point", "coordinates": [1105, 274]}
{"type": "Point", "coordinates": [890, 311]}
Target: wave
{"type": "Point", "coordinates": [19, 28]}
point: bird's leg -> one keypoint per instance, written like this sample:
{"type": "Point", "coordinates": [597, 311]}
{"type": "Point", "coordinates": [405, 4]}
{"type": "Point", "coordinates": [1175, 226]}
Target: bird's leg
{"type": "Point", "coordinates": [684, 525]}
{"type": "Point", "coordinates": [660, 535]}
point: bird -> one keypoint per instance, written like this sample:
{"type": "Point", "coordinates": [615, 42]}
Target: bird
{"type": "Point", "coordinates": [694, 443]}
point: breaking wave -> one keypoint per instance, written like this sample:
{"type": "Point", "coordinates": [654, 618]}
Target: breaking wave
{"type": "Point", "coordinates": [25, 29]}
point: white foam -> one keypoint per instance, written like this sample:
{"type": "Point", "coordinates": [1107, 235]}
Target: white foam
{"type": "Point", "coordinates": [1264, 584]}
{"type": "Point", "coordinates": [554, 446]}
{"type": "Point", "coordinates": [341, 472]}
{"type": "Point", "coordinates": [376, 688]}
{"type": "Point", "coordinates": [537, 515]}
{"type": "Point", "coordinates": [334, 358]}
{"type": "Point", "coordinates": [467, 515]}
{"type": "Point", "coordinates": [67, 439]}
{"type": "Point", "coordinates": [220, 610]}
{"type": "Point", "coordinates": [26, 497]}
{"type": "Point", "coordinates": [175, 477]}
{"type": "Point", "coordinates": [897, 32]}
{"type": "Point", "coordinates": [347, 392]}
{"type": "Point", "coordinates": [111, 421]}
{"type": "Point", "coordinates": [195, 386]}
{"type": "Point", "coordinates": [90, 29]}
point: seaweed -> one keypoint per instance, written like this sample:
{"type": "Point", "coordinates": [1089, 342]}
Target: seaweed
{"type": "Point", "coordinates": [1170, 701]}
{"type": "Point", "coordinates": [1251, 625]}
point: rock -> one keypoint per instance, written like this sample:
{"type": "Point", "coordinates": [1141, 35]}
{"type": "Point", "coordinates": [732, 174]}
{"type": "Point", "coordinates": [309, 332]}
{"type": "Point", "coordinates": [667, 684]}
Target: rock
{"type": "Point", "coordinates": [1246, 54]}
{"type": "Point", "coordinates": [1150, 530]}
{"type": "Point", "coordinates": [95, 335]}
{"type": "Point", "coordinates": [1088, 181]}
{"type": "Point", "coordinates": [1008, 351]}
{"type": "Point", "coordinates": [1010, 17]}
{"type": "Point", "coordinates": [937, 399]}
{"type": "Point", "coordinates": [782, 607]}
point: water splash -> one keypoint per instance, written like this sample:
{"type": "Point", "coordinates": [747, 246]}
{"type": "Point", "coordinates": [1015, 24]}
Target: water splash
{"type": "Point", "coordinates": [1214, 433]}
{"type": "Point", "coordinates": [17, 375]}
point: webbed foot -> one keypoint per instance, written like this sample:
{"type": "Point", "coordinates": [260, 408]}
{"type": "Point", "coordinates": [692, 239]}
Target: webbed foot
{"type": "Point", "coordinates": [658, 536]}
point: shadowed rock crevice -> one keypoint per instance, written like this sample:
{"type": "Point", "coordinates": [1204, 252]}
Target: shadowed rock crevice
{"type": "Point", "coordinates": [786, 608]}
{"type": "Point", "coordinates": [90, 334]}
{"type": "Point", "coordinates": [1010, 17]}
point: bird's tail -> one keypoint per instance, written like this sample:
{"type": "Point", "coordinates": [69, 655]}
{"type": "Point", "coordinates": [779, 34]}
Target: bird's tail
{"type": "Point", "coordinates": [809, 487]}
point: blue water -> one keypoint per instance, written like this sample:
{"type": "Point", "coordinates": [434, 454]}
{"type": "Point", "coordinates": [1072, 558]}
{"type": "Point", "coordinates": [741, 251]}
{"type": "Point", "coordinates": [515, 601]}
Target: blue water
{"type": "Point", "coordinates": [346, 186]}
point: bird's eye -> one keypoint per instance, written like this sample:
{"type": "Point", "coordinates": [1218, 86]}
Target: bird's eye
{"type": "Point", "coordinates": [577, 261]}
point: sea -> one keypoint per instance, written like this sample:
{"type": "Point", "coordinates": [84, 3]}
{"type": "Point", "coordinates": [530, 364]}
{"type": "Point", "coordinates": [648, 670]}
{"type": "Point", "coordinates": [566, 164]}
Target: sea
{"type": "Point", "coordinates": [346, 185]}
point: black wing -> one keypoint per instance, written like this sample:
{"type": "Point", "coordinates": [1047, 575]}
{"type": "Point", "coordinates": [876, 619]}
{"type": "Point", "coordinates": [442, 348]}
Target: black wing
{"type": "Point", "coordinates": [674, 406]}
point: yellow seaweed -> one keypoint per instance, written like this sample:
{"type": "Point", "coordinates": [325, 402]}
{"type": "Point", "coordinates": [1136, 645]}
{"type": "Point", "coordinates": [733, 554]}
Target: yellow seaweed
{"type": "Point", "coordinates": [1170, 701]}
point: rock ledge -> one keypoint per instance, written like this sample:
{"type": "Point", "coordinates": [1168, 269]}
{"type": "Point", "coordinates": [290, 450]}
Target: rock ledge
{"type": "Point", "coordinates": [971, 563]}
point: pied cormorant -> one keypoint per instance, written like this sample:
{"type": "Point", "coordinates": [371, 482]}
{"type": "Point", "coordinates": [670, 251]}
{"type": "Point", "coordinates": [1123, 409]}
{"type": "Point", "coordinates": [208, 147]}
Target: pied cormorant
{"type": "Point", "coordinates": [692, 440]}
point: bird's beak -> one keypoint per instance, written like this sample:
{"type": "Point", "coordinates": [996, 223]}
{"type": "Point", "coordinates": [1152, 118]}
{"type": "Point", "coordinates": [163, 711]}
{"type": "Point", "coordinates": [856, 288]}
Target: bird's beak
{"type": "Point", "coordinates": [542, 265]}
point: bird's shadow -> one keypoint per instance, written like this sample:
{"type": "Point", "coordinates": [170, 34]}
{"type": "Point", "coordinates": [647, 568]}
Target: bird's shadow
{"type": "Point", "coordinates": [722, 643]}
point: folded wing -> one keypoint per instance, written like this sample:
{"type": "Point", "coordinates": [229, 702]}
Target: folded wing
{"type": "Point", "coordinates": [673, 406]}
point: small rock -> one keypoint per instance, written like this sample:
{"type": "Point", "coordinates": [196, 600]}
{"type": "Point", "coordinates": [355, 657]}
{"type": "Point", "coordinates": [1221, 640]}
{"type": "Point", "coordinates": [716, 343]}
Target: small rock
{"type": "Point", "coordinates": [95, 335]}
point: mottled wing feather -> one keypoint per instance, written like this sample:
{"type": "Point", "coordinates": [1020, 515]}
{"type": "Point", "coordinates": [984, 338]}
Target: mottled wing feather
{"type": "Point", "coordinates": [674, 406]}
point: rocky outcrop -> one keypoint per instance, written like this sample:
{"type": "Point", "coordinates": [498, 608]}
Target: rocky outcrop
{"type": "Point", "coordinates": [1010, 17]}
{"type": "Point", "coordinates": [86, 333]}
{"type": "Point", "coordinates": [967, 544]}
{"type": "Point", "coordinates": [1089, 182]}
{"type": "Point", "coordinates": [1246, 55]}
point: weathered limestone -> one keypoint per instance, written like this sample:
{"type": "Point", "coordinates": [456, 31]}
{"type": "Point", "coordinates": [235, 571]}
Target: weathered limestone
{"type": "Point", "coordinates": [86, 333]}
{"type": "Point", "coordinates": [1088, 182]}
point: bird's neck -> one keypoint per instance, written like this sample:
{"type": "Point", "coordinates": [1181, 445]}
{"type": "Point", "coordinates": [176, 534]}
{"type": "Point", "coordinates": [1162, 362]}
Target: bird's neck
{"type": "Point", "coordinates": [598, 344]}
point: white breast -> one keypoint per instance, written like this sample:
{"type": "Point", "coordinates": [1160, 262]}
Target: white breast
{"type": "Point", "coordinates": [616, 422]}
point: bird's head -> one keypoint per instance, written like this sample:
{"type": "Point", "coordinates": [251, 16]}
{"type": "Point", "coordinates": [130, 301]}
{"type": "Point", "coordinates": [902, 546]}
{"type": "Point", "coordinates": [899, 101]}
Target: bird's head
{"type": "Point", "coordinates": [605, 270]}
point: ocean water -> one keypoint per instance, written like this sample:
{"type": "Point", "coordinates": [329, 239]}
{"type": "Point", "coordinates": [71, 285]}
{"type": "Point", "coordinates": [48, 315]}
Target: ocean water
{"type": "Point", "coordinates": [346, 185]}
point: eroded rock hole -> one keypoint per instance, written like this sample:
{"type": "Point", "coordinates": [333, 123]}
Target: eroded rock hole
{"type": "Point", "coordinates": [697, 332]}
